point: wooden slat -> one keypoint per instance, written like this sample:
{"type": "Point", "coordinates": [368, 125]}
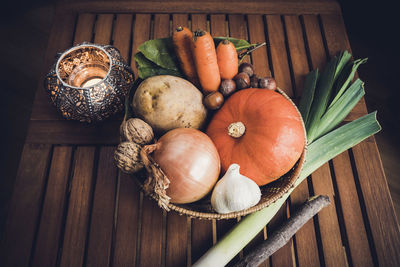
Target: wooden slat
{"type": "Point", "coordinates": [298, 56]}
{"type": "Point", "coordinates": [279, 57]}
{"type": "Point", "coordinates": [84, 28]}
{"type": "Point", "coordinates": [153, 220]}
{"type": "Point", "coordinates": [315, 42]}
{"type": "Point", "coordinates": [259, 57]}
{"type": "Point", "coordinates": [281, 72]}
{"type": "Point", "coordinates": [199, 21]}
{"type": "Point", "coordinates": [141, 33]}
{"type": "Point", "coordinates": [47, 242]}
{"type": "Point", "coordinates": [25, 206]}
{"type": "Point", "coordinates": [151, 239]}
{"type": "Point", "coordinates": [353, 219]}
{"type": "Point", "coordinates": [202, 237]}
{"type": "Point", "coordinates": [381, 215]}
{"type": "Point", "coordinates": [60, 38]}
{"type": "Point", "coordinates": [179, 20]}
{"type": "Point", "coordinates": [103, 28]}
{"type": "Point", "coordinates": [74, 132]}
{"type": "Point", "coordinates": [122, 34]}
{"type": "Point", "coordinates": [382, 220]}
{"type": "Point", "coordinates": [177, 226]}
{"type": "Point", "coordinates": [215, 7]}
{"type": "Point", "coordinates": [333, 250]}
{"type": "Point", "coordinates": [128, 198]}
{"type": "Point", "coordinates": [102, 217]}
{"type": "Point", "coordinates": [76, 226]}
{"type": "Point", "coordinates": [127, 222]}
{"type": "Point", "coordinates": [202, 230]}
{"type": "Point", "coordinates": [306, 241]}
{"type": "Point", "coordinates": [177, 240]}
{"type": "Point", "coordinates": [238, 29]}
{"type": "Point", "coordinates": [284, 256]}
{"type": "Point", "coordinates": [218, 25]}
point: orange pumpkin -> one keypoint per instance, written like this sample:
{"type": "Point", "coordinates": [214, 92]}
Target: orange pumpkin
{"type": "Point", "coordinates": [261, 131]}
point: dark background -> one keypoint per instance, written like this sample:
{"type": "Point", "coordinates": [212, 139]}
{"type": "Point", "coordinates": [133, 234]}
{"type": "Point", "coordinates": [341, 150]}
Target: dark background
{"type": "Point", "coordinates": [25, 27]}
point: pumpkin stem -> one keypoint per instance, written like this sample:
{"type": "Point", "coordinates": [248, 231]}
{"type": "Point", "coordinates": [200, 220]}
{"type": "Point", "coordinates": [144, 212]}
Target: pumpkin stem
{"type": "Point", "coordinates": [236, 129]}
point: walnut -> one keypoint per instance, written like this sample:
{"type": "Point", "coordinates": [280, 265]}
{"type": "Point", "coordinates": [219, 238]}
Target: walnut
{"type": "Point", "coordinates": [127, 157]}
{"type": "Point", "coordinates": [136, 130]}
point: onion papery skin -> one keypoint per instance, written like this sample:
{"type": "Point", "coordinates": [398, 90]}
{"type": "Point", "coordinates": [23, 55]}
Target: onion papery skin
{"type": "Point", "coordinates": [191, 162]}
{"type": "Point", "coordinates": [274, 136]}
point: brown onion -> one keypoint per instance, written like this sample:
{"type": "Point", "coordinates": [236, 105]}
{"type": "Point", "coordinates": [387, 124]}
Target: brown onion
{"type": "Point", "coordinates": [191, 162]}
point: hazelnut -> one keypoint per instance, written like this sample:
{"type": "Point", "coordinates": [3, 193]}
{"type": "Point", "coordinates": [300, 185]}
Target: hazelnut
{"type": "Point", "coordinates": [247, 68]}
{"type": "Point", "coordinates": [254, 81]}
{"type": "Point", "coordinates": [227, 87]}
{"type": "Point", "coordinates": [214, 100]}
{"type": "Point", "coordinates": [242, 80]}
{"type": "Point", "coordinates": [267, 83]}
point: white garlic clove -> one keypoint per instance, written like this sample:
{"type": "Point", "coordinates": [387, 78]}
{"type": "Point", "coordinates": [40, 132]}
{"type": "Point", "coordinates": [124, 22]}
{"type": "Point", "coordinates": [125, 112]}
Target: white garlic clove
{"type": "Point", "coordinates": [234, 192]}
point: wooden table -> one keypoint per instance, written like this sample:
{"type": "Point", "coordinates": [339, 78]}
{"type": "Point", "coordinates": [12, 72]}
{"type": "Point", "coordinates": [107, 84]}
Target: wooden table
{"type": "Point", "coordinates": [72, 207]}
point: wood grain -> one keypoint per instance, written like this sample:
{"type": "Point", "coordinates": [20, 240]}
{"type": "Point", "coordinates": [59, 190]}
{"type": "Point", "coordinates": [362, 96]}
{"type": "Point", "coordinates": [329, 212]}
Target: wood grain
{"type": "Point", "coordinates": [215, 7]}
{"type": "Point", "coordinates": [152, 239]}
{"type": "Point", "coordinates": [103, 28]}
{"type": "Point", "coordinates": [202, 238]}
{"type": "Point", "coordinates": [238, 29]}
{"type": "Point", "coordinates": [259, 57]}
{"type": "Point", "coordinates": [52, 217]}
{"type": "Point", "coordinates": [77, 222]}
{"type": "Point", "coordinates": [306, 241]}
{"type": "Point", "coordinates": [353, 219]}
{"type": "Point", "coordinates": [333, 251]}
{"type": "Point", "coordinates": [179, 20]}
{"type": "Point", "coordinates": [84, 28]}
{"type": "Point", "coordinates": [61, 37]}
{"type": "Point", "coordinates": [382, 220]}
{"type": "Point", "coordinates": [127, 222]}
{"type": "Point", "coordinates": [199, 21]}
{"type": "Point", "coordinates": [141, 33]}
{"type": "Point", "coordinates": [122, 34]}
{"type": "Point", "coordinates": [279, 57]}
{"type": "Point", "coordinates": [25, 206]}
{"type": "Point", "coordinates": [177, 240]}
{"type": "Point", "coordinates": [102, 216]}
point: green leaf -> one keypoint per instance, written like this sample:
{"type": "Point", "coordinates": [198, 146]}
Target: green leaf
{"type": "Point", "coordinates": [161, 52]}
{"type": "Point", "coordinates": [344, 58]}
{"type": "Point", "coordinates": [321, 98]}
{"type": "Point", "coordinates": [339, 140]}
{"type": "Point", "coordinates": [319, 152]}
{"type": "Point", "coordinates": [308, 94]}
{"type": "Point", "coordinates": [354, 66]}
{"type": "Point", "coordinates": [338, 111]}
{"type": "Point", "coordinates": [147, 68]}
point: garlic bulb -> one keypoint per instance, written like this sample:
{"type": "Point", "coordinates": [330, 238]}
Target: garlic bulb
{"type": "Point", "coordinates": [234, 192]}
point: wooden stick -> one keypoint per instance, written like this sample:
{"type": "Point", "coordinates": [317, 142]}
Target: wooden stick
{"type": "Point", "coordinates": [283, 234]}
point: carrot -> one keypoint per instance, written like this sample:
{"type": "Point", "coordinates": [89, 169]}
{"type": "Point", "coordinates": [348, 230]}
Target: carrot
{"type": "Point", "coordinates": [205, 59]}
{"type": "Point", "coordinates": [228, 62]}
{"type": "Point", "coordinates": [182, 39]}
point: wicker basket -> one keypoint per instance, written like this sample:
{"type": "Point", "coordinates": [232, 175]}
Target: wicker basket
{"type": "Point", "coordinates": [270, 193]}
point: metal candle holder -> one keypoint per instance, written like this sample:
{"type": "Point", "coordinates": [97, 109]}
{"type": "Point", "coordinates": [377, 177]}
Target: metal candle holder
{"type": "Point", "coordinates": [89, 82]}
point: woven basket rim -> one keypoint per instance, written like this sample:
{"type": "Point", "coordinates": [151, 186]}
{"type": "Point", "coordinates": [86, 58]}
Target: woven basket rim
{"type": "Point", "coordinates": [294, 174]}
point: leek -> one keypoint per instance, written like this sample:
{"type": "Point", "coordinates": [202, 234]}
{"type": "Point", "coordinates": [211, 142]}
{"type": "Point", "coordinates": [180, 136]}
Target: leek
{"type": "Point", "coordinates": [321, 116]}
{"type": "Point", "coordinates": [319, 152]}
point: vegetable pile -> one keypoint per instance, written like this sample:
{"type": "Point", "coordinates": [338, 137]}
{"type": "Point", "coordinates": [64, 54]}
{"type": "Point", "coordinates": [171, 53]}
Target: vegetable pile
{"type": "Point", "coordinates": [207, 129]}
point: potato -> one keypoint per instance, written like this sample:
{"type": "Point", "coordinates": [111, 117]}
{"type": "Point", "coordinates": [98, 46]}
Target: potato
{"type": "Point", "coordinates": [168, 102]}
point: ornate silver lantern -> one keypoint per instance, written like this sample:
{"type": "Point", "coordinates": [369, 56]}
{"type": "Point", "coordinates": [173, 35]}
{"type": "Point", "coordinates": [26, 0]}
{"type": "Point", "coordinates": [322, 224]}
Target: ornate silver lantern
{"type": "Point", "coordinates": [89, 82]}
